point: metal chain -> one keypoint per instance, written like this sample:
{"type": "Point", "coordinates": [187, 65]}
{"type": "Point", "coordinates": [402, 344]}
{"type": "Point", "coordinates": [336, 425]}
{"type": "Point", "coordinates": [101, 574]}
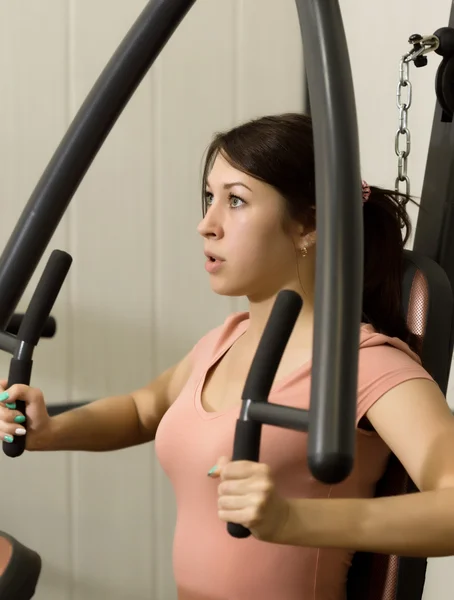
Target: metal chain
{"type": "Point", "coordinates": [403, 132]}
{"type": "Point", "coordinates": [421, 46]}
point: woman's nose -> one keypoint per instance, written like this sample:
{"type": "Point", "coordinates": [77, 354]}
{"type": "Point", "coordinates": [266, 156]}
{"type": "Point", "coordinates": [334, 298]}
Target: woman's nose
{"type": "Point", "coordinates": [210, 225]}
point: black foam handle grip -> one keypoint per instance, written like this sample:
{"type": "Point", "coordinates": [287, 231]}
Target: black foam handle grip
{"type": "Point", "coordinates": [246, 446]}
{"type": "Point", "coordinates": [272, 344]}
{"type": "Point", "coordinates": [260, 379]}
{"type": "Point", "coordinates": [19, 372]}
{"type": "Point", "coordinates": [44, 297]}
{"type": "Point", "coordinates": [30, 330]}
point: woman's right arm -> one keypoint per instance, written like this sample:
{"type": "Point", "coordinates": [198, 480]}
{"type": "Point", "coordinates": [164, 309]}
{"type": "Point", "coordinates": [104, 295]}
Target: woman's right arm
{"type": "Point", "coordinates": [108, 424]}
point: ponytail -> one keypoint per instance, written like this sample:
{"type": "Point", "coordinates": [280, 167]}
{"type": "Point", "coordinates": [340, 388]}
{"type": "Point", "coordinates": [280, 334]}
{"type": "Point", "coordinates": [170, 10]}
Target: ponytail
{"type": "Point", "coordinates": [387, 228]}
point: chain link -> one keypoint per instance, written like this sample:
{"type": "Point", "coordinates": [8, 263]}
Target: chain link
{"type": "Point", "coordinates": [421, 46]}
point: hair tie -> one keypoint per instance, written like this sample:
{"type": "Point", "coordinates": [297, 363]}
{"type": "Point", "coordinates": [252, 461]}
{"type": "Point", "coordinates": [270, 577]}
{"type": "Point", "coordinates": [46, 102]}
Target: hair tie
{"type": "Point", "coordinates": [366, 191]}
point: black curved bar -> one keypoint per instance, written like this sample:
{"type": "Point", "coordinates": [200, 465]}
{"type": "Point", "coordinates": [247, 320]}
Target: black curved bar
{"type": "Point", "coordinates": [49, 329]}
{"type": "Point", "coordinates": [85, 136]}
{"type": "Point", "coordinates": [339, 268]}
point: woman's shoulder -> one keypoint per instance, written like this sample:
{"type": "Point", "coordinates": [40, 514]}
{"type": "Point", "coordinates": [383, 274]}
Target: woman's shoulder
{"type": "Point", "coordinates": [384, 362]}
{"type": "Point", "coordinates": [383, 357]}
{"type": "Point", "coordinates": [374, 343]}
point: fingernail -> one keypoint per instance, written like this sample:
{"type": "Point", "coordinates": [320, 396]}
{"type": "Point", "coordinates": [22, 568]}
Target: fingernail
{"type": "Point", "coordinates": [19, 419]}
{"type": "Point", "coordinates": [12, 406]}
{"type": "Point", "coordinates": [20, 431]}
{"type": "Point", "coordinates": [9, 439]}
{"type": "Point", "coordinates": [4, 396]}
{"type": "Point", "coordinates": [212, 470]}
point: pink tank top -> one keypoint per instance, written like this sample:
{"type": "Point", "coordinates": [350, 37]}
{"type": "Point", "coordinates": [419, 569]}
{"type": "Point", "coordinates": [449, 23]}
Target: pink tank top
{"type": "Point", "coordinates": [208, 563]}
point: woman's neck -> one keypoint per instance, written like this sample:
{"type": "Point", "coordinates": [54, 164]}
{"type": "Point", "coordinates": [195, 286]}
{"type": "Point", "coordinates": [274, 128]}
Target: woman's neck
{"type": "Point", "coordinates": [259, 313]}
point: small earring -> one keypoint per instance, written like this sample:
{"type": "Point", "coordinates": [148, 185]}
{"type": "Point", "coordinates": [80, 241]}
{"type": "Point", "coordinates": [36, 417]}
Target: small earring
{"type": "Point", "coordinates": [303, 251]}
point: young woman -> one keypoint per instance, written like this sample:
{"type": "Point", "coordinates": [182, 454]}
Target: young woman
{"type": "Point", "coordinates": [259, 231]}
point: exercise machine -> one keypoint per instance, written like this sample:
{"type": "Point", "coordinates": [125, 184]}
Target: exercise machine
{"type": "Point", "coordinates": [428, 278]}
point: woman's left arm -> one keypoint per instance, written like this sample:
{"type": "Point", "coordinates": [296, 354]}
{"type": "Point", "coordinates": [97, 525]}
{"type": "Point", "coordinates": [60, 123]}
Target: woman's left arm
{"type": "Point", "coordinates": [416, 423]}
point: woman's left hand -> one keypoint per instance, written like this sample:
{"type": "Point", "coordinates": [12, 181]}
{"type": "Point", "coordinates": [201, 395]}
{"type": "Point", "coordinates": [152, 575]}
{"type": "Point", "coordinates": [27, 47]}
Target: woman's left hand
{"type": "Point", "coordinates": [247, 496]}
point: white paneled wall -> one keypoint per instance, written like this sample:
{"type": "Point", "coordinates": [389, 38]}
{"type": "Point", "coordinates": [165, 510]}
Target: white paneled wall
{"type": "Point", "coordinates": [137, 297]}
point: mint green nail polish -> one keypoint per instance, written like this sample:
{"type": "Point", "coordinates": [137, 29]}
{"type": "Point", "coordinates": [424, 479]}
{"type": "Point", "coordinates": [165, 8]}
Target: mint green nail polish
{"type": "Point", "coordinates": [19, 419]}
{"type": "Point", "coordinates": [4, 396]}
{"type": "Point", "coordinates": [12, 406]}
{"type": "Point", "coordinates": [212, 470]}
{"type": "Point", "coordinates": [9, 439]}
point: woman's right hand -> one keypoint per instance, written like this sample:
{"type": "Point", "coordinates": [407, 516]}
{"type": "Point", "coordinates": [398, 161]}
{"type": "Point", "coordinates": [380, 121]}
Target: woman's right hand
{"type": "Point", "coordinates": [37, 422]}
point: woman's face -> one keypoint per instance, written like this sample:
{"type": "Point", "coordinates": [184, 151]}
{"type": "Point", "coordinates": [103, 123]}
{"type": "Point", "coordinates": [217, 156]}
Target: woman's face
{"type": "Point", "coordinates": [254, 255]}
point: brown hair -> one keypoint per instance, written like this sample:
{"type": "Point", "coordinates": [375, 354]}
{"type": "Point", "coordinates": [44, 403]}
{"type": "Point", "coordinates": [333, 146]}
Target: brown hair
{"type": "Point", "coordinates": [279, 150]}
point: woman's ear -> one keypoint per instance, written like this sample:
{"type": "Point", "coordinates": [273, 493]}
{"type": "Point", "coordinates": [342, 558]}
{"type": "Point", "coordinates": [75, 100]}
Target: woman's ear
{"type": "Point", "coordinates": [302, 238]}
{"type": "Point", "coordinates": [309, 239]}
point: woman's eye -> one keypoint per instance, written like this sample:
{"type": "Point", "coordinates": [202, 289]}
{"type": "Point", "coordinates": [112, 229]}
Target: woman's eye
{"type": "Point", "coordinates": [235, 201]}
{"type": "Point", "coordinates": [208, 198]}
